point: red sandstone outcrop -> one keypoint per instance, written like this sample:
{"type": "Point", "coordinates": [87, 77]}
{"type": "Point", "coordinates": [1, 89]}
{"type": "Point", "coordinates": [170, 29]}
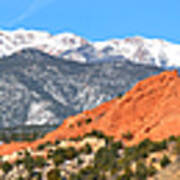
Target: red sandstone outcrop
{"type": "Point", "coordinates": [149, 110]}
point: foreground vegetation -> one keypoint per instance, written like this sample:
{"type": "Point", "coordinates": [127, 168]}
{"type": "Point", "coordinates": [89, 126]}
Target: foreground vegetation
{"type": "Point", "coordinates": [92, 157]}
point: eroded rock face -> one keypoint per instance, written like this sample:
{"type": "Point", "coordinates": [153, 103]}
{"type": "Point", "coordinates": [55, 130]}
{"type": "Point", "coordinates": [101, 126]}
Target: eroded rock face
{"type": "Point", "coordinates": [148, 110]}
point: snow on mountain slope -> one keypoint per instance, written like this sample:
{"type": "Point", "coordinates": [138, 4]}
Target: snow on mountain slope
{"type": "Point", "coordinates": [69, 46]}
{"type": "Point", "coordinates": [149, 51]}
{"type": "Point", "coordinates": [11, 42]}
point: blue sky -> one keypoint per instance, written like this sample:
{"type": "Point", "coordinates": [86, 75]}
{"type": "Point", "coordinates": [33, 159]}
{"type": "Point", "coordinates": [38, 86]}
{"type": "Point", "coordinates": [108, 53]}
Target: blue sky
{"type": "Point", "coordinates": [95, 19]}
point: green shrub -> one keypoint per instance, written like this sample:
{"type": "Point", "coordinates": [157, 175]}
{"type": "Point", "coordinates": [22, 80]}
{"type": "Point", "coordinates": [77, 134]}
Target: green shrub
{"type": "Point", "coordinates": [89, 173]}
{"type": "Point", "coordinates": [27, 153]}
{"type": "Point", "coordinates": [79, 138]}
{"type": "Point", "coordinates": [141, 171]}
{"type": "Point", "coordinates": [18, 162]}
{"type": "Point", "coordinates": [89, 120]}
{"type": "Point", "coordinates": [36, 176]}
{"type": "Point", "coordinates": [120, 95]}
{"type": "Point", "coordinates": [20, 178]}
{"type": "Point", "coordinates": [117, 145]}
{"type": "Point", "coordinates": [48, 143]}
{"type": "Point", "coordinates": [96, 133]}
{"type": "Point", "coordinates": [143, 153]}
{"type": "Point", "coordinates": [123, 163]}
{"type": "Point", "coordinates": [172, 138]}
{"type": "Point", "coordinates": [128, 135]}
{"type": "Point", "coordinates": [109, 140]}
{"type": "Point", "coordinates": [57, 142]}
{"type": "Point", "coordinates": [158, 146]}
{"type": "Point", "coordinates": [105, 159]}
{"type": "Point", "coordinates": [20, 153]}
{"type": "Point", "coordinates": [28, 162]}
{"type": "Point", "coordinates": [51, 151]}
{"type": "Point", "coordinates": [70, 153]}
{"type": "Point", "coordinates": [40, 162]}
{"type": "Point", "coordinates": [53, 174]}
{"type": "Point", "coordinates": [146, 143]}
{"type": "Point", "coordinates": [6, 167]}
{"type": "Point", "coordinates": [165, 161]}
{"type": "Point", "coordinates": [87, 149]}
{"type": "Point", "coordinates": [129, 151]}
{"type": "Point", "coordinates": [58, 159]}
{"type": "Point", "coordinates": [152, 171]}
{"type": "Point", "coordinates": [79, 123]}
{"type": "Point", "coordinates": [79, 161]}
{"type": "Point", "coordinates": [41, 147]}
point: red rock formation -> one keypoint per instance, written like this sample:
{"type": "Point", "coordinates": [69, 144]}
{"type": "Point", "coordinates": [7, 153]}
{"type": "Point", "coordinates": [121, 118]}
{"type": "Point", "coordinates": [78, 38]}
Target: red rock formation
{"type": "Point", "coordinates": [149, 110]}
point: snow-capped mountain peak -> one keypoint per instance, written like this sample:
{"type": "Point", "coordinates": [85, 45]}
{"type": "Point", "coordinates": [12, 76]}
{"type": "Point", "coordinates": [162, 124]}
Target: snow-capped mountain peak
{"type": "Point", "coordinates": [142, 50]}
{"type": "Point", "coordinates": [70, 46]}
{"type": "Point", "coordinates": [14, 41]}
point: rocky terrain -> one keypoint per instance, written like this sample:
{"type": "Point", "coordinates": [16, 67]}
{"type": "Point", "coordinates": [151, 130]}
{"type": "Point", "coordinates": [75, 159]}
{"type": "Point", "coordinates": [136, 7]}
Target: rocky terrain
{"type": "Point", "coordinates": [149, 110]}
{"type": "Point", "coordinates": [134, 136]}
{"type": "Point", "coordinates": [38, 89]}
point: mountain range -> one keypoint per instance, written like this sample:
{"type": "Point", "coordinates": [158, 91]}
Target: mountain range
{"type": "Point", "coordinates": [156, 52]}
{"type": "Point", "coordinates": [36, 88]}
{"type": "Point", "coordinates": [92, 91]}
